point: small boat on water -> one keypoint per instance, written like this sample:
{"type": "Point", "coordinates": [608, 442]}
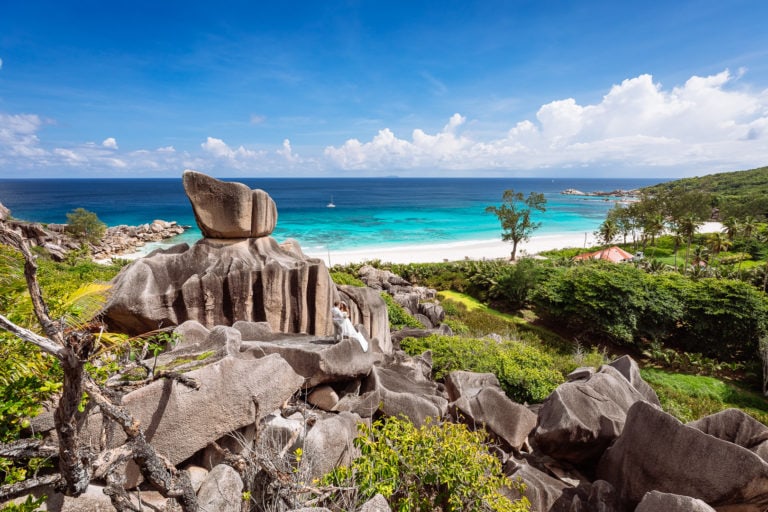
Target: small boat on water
{"type": "Point", "coordinates": [331, 204]}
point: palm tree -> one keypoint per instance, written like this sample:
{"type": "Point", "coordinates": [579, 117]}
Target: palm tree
{"type": "Point", "coordinates": [607, 231]}
{"type": "Point", "coordinates": [730, 227]}
{"type": "Point", "coordinates": [653, 226]}
{"type": "Point", "coordinates": [688, 227]}
{"type": "Point", "coordinates": [718, 243]}
{"type": "Point", "coordinates": [700, 255]}
{"type": "Point", "coordinates": [748, 227]}
{"type": "Point", "coordinates": [763, 238]}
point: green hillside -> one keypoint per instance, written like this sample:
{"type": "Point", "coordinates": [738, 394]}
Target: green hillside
{"type": "Point", "coordinates": [735, 193]}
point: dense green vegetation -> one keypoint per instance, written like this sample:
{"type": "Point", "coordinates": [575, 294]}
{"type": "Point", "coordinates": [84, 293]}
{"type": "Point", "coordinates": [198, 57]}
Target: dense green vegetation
{"type": "Point", "coordinates": [442, 466]}
{"type": "Point", "coordinates": [735, 194]}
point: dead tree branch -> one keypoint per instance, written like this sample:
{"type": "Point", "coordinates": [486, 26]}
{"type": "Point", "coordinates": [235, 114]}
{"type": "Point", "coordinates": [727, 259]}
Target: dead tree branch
{"type": "Point", "coordinates": [11, 491]}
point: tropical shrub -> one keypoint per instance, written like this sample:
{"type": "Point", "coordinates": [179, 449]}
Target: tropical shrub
{"type": "Point", "coordinates": [85, 225]}
{"type": "Point", "coordinates": [719, 318]}
{"type": "Point", "coordinates": [398, 316]}
{"type": "Point", "coordinates": [525, 372]}
{"type": "Point", "coordinates": [432, 467]}
{"type": "Point", "coordinates": [614, 301]}
{"type": "Point", "coordinates": [346, 278]}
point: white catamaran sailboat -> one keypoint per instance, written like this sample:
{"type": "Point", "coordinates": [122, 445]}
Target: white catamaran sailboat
{"type": "Point", "coordinates": [331, 205]}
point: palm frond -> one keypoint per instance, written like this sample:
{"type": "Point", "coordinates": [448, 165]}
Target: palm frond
{"type": "Point", "coordinates": [84, 304]}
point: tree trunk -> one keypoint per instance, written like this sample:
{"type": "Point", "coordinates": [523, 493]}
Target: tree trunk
{"type": "Point", "coordinates": [74, 469]}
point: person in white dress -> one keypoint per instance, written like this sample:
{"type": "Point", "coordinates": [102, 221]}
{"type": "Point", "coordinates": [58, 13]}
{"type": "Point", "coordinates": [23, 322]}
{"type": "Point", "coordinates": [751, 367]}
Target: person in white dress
{"type": "Point", "coordinates": [348, 330]}
{"type": "Point", "coordinates": [338, 321]}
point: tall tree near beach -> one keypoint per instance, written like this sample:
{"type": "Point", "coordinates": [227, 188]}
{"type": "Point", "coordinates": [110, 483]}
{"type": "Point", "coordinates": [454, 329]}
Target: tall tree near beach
{"type": "Point", "coordinates": [515, 216]}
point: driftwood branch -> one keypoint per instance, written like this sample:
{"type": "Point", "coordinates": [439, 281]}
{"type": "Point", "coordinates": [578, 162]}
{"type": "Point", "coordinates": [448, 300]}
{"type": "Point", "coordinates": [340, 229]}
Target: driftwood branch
{"type": "Point", "coordinates": [27, 449]}
{"type": "Point", "coordinates": [26, 335]}
{"type": "Point", "coordinates": [11, 491]}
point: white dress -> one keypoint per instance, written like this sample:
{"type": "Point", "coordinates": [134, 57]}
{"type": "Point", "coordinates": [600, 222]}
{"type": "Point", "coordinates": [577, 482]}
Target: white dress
{"type": "Point", "coordinates": [347, 329]}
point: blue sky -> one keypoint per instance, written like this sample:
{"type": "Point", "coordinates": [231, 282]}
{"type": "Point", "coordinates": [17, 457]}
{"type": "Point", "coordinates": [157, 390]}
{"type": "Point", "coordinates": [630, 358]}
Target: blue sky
{"type": "Point", "coordinates": [449, 88]}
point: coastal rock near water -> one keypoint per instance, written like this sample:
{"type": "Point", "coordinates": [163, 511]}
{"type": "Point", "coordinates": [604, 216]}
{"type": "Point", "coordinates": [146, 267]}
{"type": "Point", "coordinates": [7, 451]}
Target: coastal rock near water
{"type": "Point", "coordinates": [229, 210]}
{"type": "Point", "coordinates": [218, 282]}
{"type": "Point", "coordinates": [236, 273]}
{"type": "Point", "coordinates": [5, 213]}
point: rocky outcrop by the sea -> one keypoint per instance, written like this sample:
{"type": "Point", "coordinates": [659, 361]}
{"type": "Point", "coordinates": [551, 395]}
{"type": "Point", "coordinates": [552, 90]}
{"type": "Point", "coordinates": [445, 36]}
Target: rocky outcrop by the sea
{"type": "Point", "coordinates": [117, 240]}
{"type": "Point", "coordinates": [276, 402]}
{"type": "Point", "coordinates": [601, 193]}
{"type": "Point", "coordinates": [237, 272]}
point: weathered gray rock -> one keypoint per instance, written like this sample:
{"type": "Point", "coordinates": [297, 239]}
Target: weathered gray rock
{"type": "Point", "coordinates": [631, 371]}
{"type": "Point", "coordinates": [738, 427]}
{"type": "Point", "coordinates": [255, 331]}
{"type": "Point", "coordinates": [218, 282]}
{"type": "Point", "coordinates": [598, 496]}
{"type": "Point", "coordinates": [423, 320]}
{"type": "Point", "coordinates": [364, 405]}
{"type": "Point", "coordinates": [541, 490]}
{"type": "Point", "coordinates": [403, 390]}
{"type": "Point", "coordinates": [197, 475]}
{"type": "Point", "coordinates": [380, 279]}
{"type": "Point", "coordinates": [94, 500]}
{"type": "Point", "coordinates": [468, 384]}
{"type": "Point", "coordinates": [409, 301]}
{"type": "Point", "coordinates": [657, 452]}
{"type": "Point", "coordinates": [234, 393]}
{"type": "Point", "coordinates": [581, 418]}
{"type": "Point", "coordinates": [222, 490]}
{"type": "Point", "coordinates": [508, 421]}
{"type": "Point", "coordinates": [433, 311]}
{"type": "Point", "coordinates": [328, 444]}
{"type": "Point", "coordinates": [5, 213]}
{"type": "Point", "coordinates": [280, 436]}
{"type": "Point", "coordinates": [655, 501]}
{"type": "Point", "coordinates": [318, 361]}
{"type": "Point", "coordinates": [367, 308]}
{"type": "Point", "coordinates": [323, 397]}
{"type": "Point", "coordinates": [227, 209]}
{"type": "Point", "coordinates": [376, 504]}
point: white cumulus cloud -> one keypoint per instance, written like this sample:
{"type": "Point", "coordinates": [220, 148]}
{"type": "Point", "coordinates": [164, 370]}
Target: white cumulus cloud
{"type": "Point", "coordinates": [109, 143]}
{"type": "Point", "coordinates": [638, 123]}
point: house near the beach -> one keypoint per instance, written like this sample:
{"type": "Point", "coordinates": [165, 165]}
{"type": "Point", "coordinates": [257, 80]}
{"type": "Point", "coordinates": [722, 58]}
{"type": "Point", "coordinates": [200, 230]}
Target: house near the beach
{"type": "Point", "coordinates": [615, 254]}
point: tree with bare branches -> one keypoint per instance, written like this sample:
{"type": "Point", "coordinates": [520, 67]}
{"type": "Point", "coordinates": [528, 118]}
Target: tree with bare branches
{"type": "Point", "coordinates": [77, 464]}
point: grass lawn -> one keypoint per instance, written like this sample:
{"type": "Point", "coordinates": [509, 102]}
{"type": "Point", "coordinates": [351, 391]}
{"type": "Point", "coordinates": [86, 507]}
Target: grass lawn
{"type": "Point", "coordinates": [690, 397]}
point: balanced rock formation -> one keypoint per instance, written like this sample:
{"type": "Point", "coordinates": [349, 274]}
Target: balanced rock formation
{"type": "Point", "coordinates": [236, 273]}
{"type": "Point", "coordinates": [229, 210]}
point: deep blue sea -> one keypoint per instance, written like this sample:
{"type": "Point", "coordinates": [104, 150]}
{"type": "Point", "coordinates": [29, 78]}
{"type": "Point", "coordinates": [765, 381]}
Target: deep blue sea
{"type": "Point", "coordinates": [369, 213]}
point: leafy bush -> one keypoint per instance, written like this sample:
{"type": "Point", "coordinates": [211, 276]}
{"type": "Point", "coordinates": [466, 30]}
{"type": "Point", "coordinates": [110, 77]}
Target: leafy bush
{"type": "Point", "coordinates": [433, 467]}
{"type": "Point", "coordinates": [526, 373]}
{"type": "Point", "coordinates": [398, 316]}
{"type": "Point", "coordinates": [715, 317]}
{"type": "Point", "coordinates": [346, 278]}
{"type": "Point", "coordinates": [85, 225]}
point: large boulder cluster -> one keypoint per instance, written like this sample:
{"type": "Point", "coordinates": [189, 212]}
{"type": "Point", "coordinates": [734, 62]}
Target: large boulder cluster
{"type": "Point", "coordinates": [251, 328]}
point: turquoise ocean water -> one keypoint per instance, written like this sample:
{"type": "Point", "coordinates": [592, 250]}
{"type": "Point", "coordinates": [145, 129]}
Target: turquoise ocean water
{"type": "Point", "coordinates": [369, 212]}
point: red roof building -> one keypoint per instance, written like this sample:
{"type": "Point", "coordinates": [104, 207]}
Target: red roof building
{"type": "Point", "coordinates": [614, 254]}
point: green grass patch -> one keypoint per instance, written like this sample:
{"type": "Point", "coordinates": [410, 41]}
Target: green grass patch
{"type": "Point", "coordinates": [690, 397]}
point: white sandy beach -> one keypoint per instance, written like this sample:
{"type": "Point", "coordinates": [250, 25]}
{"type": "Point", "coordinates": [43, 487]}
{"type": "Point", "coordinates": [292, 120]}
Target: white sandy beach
{"type": "Point", "coordinates": [477, 250]}
{"type": "Point", "coordinates": [472, 250]}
